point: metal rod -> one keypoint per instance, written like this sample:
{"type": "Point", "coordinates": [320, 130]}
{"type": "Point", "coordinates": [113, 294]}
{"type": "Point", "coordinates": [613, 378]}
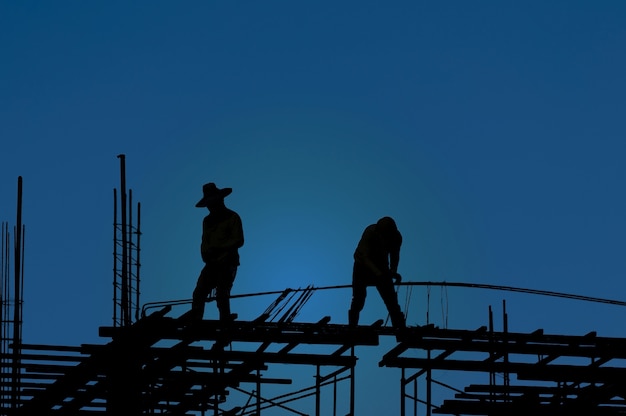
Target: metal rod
{"type": "Point", "coordinates": [452, 284]}
{"type": "Point", "coordinates": [352, 384]}
{"type": "Point", "coordinates": [429, 387]}
{"type": "Point", "coordinates": [258, 392]}
{"type": "Point", "coordinates": [517, 289]}
{"type": "Point", "coordinates": [335, 395]}
{"type": "Point", "coordinates": [22, 280]}
{"type": "Point", "coordinates": [17, 300]}
{"type": "Point", "coordinates": [114, 257]}
{"type": "Point", "coordinates": [132, 260]}
{"type": "Point", "coordinates": [415, 397]}
{"type": "Point", "coordinates": [492, 375]}
{"type": "Point", "coordinates": [402, 398]}
{"type": "Point", "coordinates": [505, 323]}
{"type": "Point", "coordinates": [138, 263]}
{"type": "Point", "coordinates": [124, 294]}
{"type": "Point", "coordinates": [129, 256]}
{"type": "Point", "coordinates": [318, 392]}
{"type": "Point", "coordinates": [3, 311]}
{"type": "Point", "coordinates": [273, 402]}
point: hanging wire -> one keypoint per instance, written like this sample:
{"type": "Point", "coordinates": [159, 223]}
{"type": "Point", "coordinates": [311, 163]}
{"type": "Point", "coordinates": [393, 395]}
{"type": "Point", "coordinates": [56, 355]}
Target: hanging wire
{"type": "Point", "coordinates": [407, 302]}
{"type": "Point", "coordinates": [444, 305]}
{"type": "Point", "coordinates": [443, 312]}
{"type": "Point", "coordinates": [427, 304]}
{"type": "Point", "coordinates": [447, 306]}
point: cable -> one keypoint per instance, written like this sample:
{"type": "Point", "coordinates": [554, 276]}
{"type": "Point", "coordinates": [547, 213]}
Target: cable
{"type": "Point", "coordinates": [407, 302]}
{"type": "Point", "coordinates": [520, 290]}
{"type": "Point", "coordinates": [427, 284]}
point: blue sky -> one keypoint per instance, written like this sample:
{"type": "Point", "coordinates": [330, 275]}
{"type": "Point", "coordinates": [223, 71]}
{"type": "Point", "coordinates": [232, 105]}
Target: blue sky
{"type": "Point", "coordinates": [493, 132]}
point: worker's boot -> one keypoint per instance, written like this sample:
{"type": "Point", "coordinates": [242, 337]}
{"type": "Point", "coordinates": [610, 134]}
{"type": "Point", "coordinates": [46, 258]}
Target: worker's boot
{"type": "Point", "coordinates": [223, 307]}
{"type": "Point", "coordinates": [399, 324]}
{"type": "Point", "coordinates": [397, 320]}
{"type": "Point", "coordinates": [224, 337]}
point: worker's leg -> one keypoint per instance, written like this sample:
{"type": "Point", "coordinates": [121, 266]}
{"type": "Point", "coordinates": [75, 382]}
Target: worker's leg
{"type": "Point", "coordinates": [205, 284]}
{"type": "Point", "coordinates": [222, 291]}
{"type": "Point", "coordinates": [358, 301]}
{"type": "Point", "coordinates": [359, 292]}
{"type": "Point", "coordinates": [389, 296]}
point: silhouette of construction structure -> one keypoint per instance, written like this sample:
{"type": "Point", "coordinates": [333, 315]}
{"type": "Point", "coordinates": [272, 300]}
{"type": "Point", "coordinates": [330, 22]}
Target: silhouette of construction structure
{"type": "Point", "coordinates": [126, 251]}
{"type": "Point", "coordinates": [151, 362]}
{"type": "Point", "coordinates": [132, 375]}
{"type": "Point", "coordinates": [11, 295]}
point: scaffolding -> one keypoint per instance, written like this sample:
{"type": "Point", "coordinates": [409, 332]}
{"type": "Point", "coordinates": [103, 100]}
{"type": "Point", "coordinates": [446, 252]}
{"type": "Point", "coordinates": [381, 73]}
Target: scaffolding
{"type": "Point", "coordinates": [126, 252]}
{"type": "Point", "coordinates": [11, 299]}
{"type": "Point", "coordinates": [164, 365]}
{"type": "Point", "coordinates": [167, 365]}
{"type": "Point", "coordinates": [558, 374]}
{"type": "Point", "coordinates": [151, 362]}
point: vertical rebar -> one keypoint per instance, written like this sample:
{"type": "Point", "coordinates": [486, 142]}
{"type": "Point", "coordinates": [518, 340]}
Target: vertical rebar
{"type": "Point", "coordinates": [22, 280]}
{"type": "Point", "coordinates": [138, 263]}
{"type": "Point", "coordinates": [115, 283]}
{"type": "Point", "coordinates": [492, 375]}
{"type": "Point", "coordinates": [17, 300]}
{"type": "Point", "coordinates": [3, 312]}
{"type": "Point", "coordinates": [131, 279]}
{"type": "Point", "coordinates": [124, 294]}
{"type": "Point", "coordinates": [126, 262]}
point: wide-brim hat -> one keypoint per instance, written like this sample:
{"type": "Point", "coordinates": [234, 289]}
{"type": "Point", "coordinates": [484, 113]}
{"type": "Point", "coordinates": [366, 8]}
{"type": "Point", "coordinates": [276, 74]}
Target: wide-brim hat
{"type": "Point", "coordinates": [212, 193]}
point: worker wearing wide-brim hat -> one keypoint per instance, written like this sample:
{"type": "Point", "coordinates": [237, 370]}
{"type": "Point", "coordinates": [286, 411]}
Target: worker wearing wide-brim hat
{"type": "Point", "coordinates": [222, 236]}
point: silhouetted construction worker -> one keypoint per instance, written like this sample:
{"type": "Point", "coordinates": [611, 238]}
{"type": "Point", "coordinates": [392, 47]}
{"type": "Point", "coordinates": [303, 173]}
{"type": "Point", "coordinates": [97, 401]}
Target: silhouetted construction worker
{"type": "Point", "coordinates": [376, 264]}
{"type": "Point", "coordinates": [222, 235]}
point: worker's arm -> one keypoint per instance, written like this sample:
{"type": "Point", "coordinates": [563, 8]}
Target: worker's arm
{"type": "Point", "coordinates": [394, 258]}
{"type": "Point", "coordinates": [235, 238]}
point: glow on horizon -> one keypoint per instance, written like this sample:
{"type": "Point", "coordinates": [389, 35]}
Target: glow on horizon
{"type": "Point", "coordinates": [305, 191]}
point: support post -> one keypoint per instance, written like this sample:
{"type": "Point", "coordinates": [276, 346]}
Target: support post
{"type": "Point", "coordinates": [429, 387]}
{"type": "Point", "coordinates": [505, 323]}
{"type": "Point", "coordinates": [352, 371]}
{"type": "Point", "coordinates": [402, 393]}
{"type": "Point", "coordinates": [258, 392]}
{"type": "Point", "coordinates": [318, 392]}
{"type": "Point", "coordinates": [415, 402]}
{"type": "Point", "coordinates": [335, 396]}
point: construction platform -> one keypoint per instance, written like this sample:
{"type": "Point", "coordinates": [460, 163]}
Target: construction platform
{"type": "Point", "coordinates": [165, 365]}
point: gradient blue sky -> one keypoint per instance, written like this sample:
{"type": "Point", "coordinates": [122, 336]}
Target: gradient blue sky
{"type": "Point", "coordinates": [493, 132]}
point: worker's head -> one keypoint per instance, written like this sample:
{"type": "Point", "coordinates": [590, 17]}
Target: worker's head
{"type": "Point", "coordinates": [386, 226]}
{"type": "Point", "coordinates": [212, 195]}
